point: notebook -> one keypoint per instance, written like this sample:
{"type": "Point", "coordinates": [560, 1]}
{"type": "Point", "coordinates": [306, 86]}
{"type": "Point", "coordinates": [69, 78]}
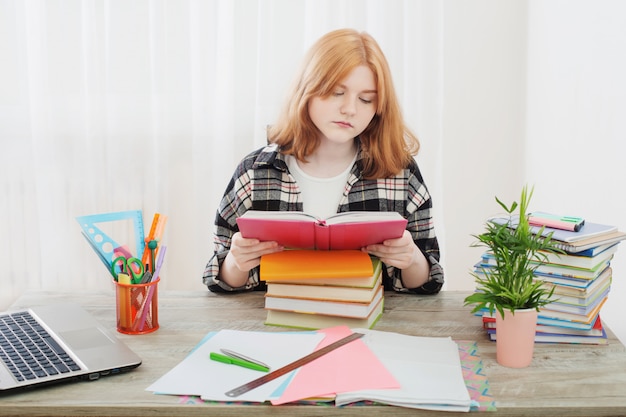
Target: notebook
{"type": "Point", "coordinates": [66, 343]}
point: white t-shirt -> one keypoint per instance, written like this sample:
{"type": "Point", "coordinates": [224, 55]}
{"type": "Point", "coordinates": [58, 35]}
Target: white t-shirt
{"type": "Point", "coordinates": [320, 196]}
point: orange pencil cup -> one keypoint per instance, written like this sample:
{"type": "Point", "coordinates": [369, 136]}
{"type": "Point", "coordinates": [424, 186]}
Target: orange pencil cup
{"type": "Point", "coordinates": [137, 307]}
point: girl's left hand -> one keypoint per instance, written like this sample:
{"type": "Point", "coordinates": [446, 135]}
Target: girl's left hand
{"type": "Point", "coordinates": [400, 253]}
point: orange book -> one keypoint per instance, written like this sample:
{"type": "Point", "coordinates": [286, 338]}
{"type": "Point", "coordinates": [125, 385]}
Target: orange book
{"type": "Point", "coordinates": [335, 289]}
{"type": "Point", "coordinates": [290, 265]}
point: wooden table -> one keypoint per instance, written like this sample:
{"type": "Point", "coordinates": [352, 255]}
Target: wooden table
{"type": "Point", "coordinates": [563, 380]}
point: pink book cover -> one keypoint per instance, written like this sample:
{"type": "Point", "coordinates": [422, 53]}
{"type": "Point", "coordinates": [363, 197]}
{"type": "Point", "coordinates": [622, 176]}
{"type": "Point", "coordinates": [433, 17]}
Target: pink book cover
{"type": "Point", "coordinates": [310, 233]}
{"type": "Point", "coordinates": [288, 233]}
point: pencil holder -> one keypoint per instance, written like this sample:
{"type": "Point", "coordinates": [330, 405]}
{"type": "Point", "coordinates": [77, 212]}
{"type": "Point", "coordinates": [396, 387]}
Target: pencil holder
{"type": "Point", "coordinates": [137, 307]}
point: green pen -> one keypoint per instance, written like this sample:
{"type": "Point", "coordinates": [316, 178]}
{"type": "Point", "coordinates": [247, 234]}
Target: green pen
{"type": "Point", "coordinates": [236, 361]}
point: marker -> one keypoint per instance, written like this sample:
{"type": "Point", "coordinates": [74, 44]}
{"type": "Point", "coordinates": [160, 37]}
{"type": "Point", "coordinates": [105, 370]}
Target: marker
{"type": "Point", "coordinates": [123, 278]}
{"type": "Point", "coordinates": [218, 357]}
{"type": "Point", "coordinates": [573, 224]}
{"type": "Point", "coordinates": [555, 217]}
{"type": "Point", "coordinates": [146, 278]}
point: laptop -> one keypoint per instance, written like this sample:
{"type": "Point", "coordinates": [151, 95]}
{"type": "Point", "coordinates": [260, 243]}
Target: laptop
{"type": "Point", "coordinates": [68, 345]}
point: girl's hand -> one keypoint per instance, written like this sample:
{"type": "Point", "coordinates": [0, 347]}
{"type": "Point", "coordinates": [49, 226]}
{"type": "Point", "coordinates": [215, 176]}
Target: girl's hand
{"type": "Point", "coordinates": [246, 253]}
{"type": "Point", "coordinates": [400, 253]}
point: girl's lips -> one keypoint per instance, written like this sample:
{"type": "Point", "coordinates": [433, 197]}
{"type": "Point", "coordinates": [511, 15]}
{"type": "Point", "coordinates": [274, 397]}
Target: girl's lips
{"type": "Point", "coordinates": [343, 124]}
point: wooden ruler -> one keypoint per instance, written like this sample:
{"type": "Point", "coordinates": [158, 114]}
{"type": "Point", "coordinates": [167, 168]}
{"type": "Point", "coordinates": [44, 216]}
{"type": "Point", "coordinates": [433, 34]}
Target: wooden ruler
{"type": "Point", "coordinates": [235, 392]}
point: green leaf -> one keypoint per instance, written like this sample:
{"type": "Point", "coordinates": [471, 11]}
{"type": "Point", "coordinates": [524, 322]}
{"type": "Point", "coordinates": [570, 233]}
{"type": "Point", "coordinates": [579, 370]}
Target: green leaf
{"type": "Point", "coordinates": [510, 284]}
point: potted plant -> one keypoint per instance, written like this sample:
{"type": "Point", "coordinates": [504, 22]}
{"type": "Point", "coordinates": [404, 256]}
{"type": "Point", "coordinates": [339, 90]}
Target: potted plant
{"type": "Point", "coordinates": [508, 287]}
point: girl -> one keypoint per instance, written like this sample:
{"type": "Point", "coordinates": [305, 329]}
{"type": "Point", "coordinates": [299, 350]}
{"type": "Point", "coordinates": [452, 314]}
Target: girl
{"type": "Point", "coordinates": [340, 144]}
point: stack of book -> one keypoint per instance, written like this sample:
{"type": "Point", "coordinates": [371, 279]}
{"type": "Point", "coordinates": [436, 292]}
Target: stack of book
{"type": "Point", "coordinates": [581, 278]}
{"type": "Point", "coordinates": [315, 289]}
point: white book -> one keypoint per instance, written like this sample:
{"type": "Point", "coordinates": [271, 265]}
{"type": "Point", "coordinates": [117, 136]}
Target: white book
{"type": "Point", "coordinates": [307, 321]}
{"type": "Point", "coordinates": [330, 308]}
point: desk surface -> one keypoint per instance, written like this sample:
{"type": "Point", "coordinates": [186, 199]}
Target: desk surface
{"type": "Point", "coordinates": [567, 380]}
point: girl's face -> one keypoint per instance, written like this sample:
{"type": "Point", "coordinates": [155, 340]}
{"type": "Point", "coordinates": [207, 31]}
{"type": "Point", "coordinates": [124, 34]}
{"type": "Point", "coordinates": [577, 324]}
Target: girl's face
{"type": "Point", "coordinates": [346, 113]}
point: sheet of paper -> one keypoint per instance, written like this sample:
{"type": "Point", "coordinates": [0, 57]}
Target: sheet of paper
{"type": "Point", "coordinates": [351, 367]}
{"type": "Point", "coordinates": [198, 375]}
{"type": "Point", "coordinates": [428, 369]}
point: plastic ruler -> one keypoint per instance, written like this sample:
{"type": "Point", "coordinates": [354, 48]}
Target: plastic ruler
{"type": "Point", "coordinates": [103, 244]}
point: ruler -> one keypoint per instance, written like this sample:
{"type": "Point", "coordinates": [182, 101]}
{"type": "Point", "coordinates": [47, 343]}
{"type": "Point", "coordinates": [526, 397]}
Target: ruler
{"type": "Point", "coordinates": [103, 244]}
{"type": "Point", "coordinates": [106, 262]}
{"type": "Point", "coordinates": [235, 392]}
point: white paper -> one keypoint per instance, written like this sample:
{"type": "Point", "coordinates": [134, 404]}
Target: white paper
{"type": "Point", "coordinates": [198, 375]}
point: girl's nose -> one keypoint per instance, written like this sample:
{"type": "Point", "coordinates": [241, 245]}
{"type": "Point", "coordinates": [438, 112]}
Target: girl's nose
{"type": "Point", "coordinates": [348, 106]}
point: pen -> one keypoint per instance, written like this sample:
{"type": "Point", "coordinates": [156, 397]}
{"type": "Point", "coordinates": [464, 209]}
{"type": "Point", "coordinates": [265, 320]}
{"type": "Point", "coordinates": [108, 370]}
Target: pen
{"type": "Point", "coordinates": [236, 361]}
{"type": "Point", "coordinates": [159, 262]}
{"type": "Point", "coordinates": [234, 354]}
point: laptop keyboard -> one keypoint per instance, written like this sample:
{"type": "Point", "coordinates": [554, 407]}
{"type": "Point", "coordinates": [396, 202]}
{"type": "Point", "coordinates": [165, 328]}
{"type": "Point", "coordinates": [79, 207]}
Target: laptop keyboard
{"type": "Point", "coordinates": [29, 351]}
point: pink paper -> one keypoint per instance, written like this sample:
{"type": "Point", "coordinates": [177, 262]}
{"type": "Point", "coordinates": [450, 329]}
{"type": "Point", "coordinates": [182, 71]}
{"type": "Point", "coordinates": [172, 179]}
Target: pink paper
{"type": "Point", "coordinates": [351, 367]}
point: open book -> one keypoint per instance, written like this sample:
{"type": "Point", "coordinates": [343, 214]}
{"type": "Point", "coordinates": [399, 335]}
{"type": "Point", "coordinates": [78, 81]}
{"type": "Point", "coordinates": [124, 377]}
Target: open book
{"type": "Point", "coordinates": [349, 230]}
{"type": "Point", "coordinates": [430, 380]}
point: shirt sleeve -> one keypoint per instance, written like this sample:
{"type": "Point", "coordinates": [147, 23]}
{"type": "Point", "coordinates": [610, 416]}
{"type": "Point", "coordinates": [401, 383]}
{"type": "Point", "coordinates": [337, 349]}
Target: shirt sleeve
{"type": "Point", "coordinates": [420, 225]}
{"type": "Point", "coordinates": [236, 201]}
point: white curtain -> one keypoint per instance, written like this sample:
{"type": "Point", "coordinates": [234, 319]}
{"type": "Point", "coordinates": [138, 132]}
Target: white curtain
{"type": "Point", "coordinates": [148, 105]}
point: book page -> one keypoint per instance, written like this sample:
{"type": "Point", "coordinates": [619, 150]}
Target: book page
{"type": "Point", "coordinates": [363, 216]}
{"type": "Point", "coordinates": [280, 215]}
{"type": "Point", "coordinates": [197, 374]}
{"type": "Point", "coordinates": [431, 379]}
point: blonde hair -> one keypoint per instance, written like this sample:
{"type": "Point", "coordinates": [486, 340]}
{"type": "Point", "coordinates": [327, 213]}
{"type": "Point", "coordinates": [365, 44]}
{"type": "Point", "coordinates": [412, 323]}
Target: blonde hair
{"type": "Point", "coordinates": [387, 144]}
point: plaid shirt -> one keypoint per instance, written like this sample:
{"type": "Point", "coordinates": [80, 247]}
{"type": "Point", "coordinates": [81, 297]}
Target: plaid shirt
{"type": "Point", "coordinates": [262, 182]}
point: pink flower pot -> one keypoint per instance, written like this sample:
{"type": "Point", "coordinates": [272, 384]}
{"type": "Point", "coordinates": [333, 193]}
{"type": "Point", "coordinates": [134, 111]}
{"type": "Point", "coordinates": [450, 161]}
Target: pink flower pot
{"type": "Point", "coordinates": [515, 337]}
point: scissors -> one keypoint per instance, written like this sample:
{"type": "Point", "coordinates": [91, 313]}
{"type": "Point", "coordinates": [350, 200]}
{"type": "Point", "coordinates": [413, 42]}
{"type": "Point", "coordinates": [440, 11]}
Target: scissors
{"type": "Point", "coordinates": [129, 267]}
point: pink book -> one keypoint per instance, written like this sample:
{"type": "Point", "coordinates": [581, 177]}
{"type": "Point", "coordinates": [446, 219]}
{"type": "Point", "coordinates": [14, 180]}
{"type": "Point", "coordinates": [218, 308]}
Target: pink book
{"type": "Point", "coordinates": [343, 231]}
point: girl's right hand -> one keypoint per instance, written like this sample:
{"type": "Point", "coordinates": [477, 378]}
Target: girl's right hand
{"type": "Point", "coordinates": [246, 253]}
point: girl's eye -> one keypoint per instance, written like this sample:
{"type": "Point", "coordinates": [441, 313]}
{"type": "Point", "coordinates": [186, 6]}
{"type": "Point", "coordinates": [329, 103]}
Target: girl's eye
{"type": "Point", "coordinates": [366, 101]}
{"type": "Point", "coordinates": [338, 93]}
